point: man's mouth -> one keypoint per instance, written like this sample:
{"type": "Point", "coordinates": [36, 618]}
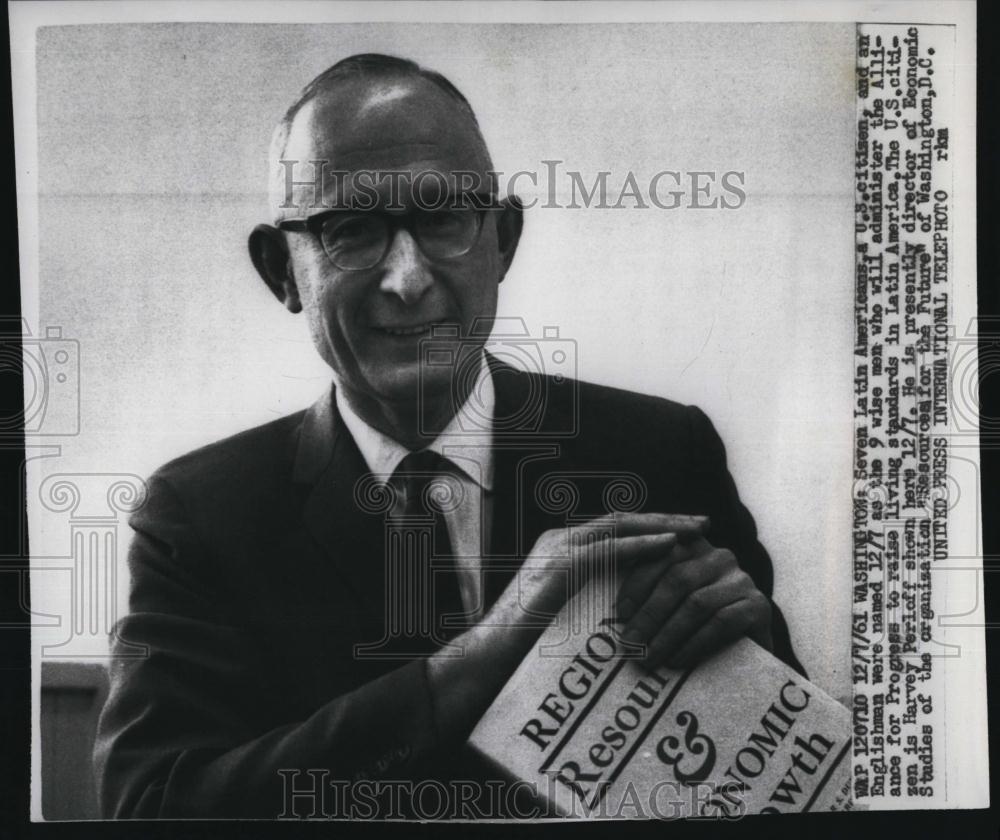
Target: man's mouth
{"type": "Point", "coordinates": [413, 329]}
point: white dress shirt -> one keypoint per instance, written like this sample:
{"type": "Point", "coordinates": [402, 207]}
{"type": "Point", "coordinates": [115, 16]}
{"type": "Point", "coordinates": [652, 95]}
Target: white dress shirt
{"type": "Point", "coordinates": [467, 442]}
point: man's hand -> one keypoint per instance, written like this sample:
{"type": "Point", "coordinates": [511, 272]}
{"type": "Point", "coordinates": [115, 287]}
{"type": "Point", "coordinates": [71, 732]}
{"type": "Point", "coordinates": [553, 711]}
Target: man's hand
{"type": "Point", "coordinates": [646, 547]}
{"type": "Point", "coordinates": [688, 604]}
{"type": "Point", "coordinates": [681, 597]}
{"type": "Point", "coordinates": [563, 559]}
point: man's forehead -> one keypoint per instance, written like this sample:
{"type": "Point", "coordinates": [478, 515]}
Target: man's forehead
{"type": "Point", "coordinates": [386, 124]}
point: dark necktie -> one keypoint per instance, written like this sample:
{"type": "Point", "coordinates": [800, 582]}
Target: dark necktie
{"type": "Point", "coordinates": [427, 557]}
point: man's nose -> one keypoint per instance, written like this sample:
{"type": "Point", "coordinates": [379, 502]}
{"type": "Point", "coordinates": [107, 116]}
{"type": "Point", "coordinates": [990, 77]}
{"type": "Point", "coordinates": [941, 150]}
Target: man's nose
{"type": "Point", "coordinates": [406, 273]}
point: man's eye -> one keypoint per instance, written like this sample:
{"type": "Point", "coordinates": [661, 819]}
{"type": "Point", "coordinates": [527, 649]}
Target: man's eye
{"type": "Point", "coordinates": [443, 223]}
{"type": "Point", "coordinates": [348, 233]}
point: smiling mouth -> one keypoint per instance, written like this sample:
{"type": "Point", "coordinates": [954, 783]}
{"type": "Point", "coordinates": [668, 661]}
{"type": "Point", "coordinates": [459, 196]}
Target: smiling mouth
{"type": "Point", "coordinates": [416, 329]}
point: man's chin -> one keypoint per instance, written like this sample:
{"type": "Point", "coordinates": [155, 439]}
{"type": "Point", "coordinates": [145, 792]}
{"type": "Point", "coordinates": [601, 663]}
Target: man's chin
{"type": "Point", "coordinates": [410, 383]}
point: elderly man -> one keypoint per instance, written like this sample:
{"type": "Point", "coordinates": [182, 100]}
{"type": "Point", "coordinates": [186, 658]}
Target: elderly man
{"type": "Point", "coordinates": [267, 569]}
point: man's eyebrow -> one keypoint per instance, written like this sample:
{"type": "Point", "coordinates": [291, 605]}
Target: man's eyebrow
{"type": "Point", "coordinates": [476, 199]}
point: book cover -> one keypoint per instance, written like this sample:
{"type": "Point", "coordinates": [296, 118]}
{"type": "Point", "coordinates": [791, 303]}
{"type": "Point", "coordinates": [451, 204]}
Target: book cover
{"type": "Point", "coordinates": [596, 735]}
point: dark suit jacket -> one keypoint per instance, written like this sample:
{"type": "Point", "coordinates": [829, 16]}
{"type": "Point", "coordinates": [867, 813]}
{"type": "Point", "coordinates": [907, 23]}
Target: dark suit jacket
{"type": "Point", "coordinates": [254, 573]}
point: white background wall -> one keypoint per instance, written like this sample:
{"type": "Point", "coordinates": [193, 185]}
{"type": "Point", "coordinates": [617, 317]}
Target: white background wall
{"type": "Point", "coordinates": [152, 166]}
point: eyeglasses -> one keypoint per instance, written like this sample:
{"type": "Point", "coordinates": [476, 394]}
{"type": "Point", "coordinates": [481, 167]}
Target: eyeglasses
{"type": "Point", "coordinates": [354, 241]}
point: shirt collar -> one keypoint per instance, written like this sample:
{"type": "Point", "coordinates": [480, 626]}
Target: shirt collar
{"type": "Point", "coordinates": [466, 441]}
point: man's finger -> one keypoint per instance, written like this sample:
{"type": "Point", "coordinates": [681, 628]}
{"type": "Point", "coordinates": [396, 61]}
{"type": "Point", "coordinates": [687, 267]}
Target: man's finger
{"type": "Point", "coordinates": [647, 601]}
{"type": "Point", "coordinates": [727, 625]}
{"type": "Point", "coordinates": [636, 524]}
{"type": "Point", "coordinates": [640, 578]}
{"type": "Point", "coordinates": [695, 612]}
{"type": "Point", "coordinates": [623, 552]}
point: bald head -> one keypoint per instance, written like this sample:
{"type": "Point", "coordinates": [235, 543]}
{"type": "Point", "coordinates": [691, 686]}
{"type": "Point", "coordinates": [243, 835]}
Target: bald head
{"type": "Point", "coordinates": [372, 113]}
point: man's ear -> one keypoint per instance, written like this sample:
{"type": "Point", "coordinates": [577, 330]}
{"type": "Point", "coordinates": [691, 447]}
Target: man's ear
{"type": "Point", "coordinates": [509, 224]}
{"type": "Point", "coordinates": [269, 253]}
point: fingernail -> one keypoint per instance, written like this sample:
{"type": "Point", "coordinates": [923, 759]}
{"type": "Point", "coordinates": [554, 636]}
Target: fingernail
{"type": "Point", "coordinates": [635, 651]}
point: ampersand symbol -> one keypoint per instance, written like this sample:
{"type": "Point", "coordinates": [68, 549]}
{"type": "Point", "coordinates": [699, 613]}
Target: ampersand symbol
{"type": "Point", "coordinates": [696, 743]}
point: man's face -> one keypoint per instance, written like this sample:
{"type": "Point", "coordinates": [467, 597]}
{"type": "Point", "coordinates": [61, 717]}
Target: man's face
{"type": "Point", "coordinates": [364, 322]}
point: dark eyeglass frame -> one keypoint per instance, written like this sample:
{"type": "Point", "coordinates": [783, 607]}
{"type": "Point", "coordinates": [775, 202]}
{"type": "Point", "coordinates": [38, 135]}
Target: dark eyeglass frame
{"type": "Point", "coordinates": [477, 204]}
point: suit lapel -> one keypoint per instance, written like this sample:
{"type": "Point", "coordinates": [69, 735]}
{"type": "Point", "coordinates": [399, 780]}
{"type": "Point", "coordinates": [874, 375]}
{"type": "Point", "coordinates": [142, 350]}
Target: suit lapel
{"type": "Point", "coordinates": [346, 524]}
{"type": "Point", "coordinates": [522, 450]}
